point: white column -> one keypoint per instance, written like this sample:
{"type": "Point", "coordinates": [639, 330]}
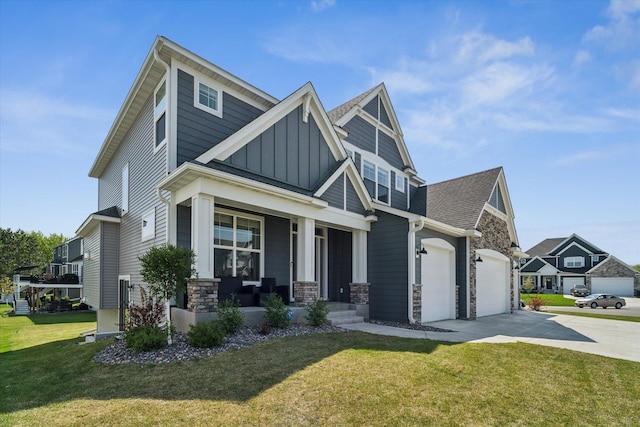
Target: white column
{"type": "Point", "coordinates": [202, 234]}
{"type": "Point", "coordinates": [359, 256]}
{"type": "Point", "coordinates": [306, 268]}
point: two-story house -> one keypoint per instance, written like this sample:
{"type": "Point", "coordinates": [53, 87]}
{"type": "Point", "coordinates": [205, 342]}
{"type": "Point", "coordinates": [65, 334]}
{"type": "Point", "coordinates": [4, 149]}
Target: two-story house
{"type": "Point", "coordinates": [329, 204]}
{"type": "Point", "coordinates": [558, 264]}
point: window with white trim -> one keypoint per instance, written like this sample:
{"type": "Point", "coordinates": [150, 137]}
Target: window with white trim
{"type": "Point", "coordinates": [400, 183]}
{"type": "Point", "coordinates": [237, 243]}
{"type": "Point", "coordinates": [574, 262]}
{"type": "Point", "coordinates": [125, 189]}
{"type": "Point", "coordinates": [160, 113]}
{"type": "Point", "coordinates": [376, 179]}
{"type": "Point", "coordinates": [383, 185]}
{"type": "Point", "coordinates": [149, 225]}
{"type": "Point", "coordinates": [208, 97]}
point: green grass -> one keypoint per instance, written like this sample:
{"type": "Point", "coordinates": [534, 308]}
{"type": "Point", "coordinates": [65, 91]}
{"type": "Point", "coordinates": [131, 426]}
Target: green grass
{"type": "Point", "coordinates": [596, 315]}
{"type": "Point", "coordinates": [326, 380]}
{"type": "Point", "coordinates": [552, 300]}
{"type": "Point", "coordinates": [18, 332]}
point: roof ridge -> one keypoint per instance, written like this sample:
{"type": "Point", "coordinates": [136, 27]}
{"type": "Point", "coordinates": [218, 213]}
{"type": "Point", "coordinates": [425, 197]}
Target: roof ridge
{"type": "Point", "coordinates": [343, 108]}
{"type": "Point", "coordinates": [467, 176]}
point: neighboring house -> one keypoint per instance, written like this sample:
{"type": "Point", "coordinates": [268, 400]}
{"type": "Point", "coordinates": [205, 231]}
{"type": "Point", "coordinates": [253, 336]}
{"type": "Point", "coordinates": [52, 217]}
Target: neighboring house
{"type": "Point", "coordinates": [67, 259]}
{"type": "Point", "coordinates": [558, 264]}
{"type": "Point", "coordinates": [329, 204]}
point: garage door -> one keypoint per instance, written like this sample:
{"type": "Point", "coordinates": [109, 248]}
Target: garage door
{"type": "Point", "coordinates": [620, 286]}
{"type": "Point", "coordinates": [493, 294]}
{"type": "Point", "coordinates": [438, 280]}
{"type": "Point", "coordinates": [569, 282]}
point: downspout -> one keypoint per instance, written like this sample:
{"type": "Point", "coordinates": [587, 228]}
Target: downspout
{"type": "Point", "coordinates": [413, 228]}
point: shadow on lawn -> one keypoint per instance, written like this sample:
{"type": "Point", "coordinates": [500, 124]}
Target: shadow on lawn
{"type": "Point", "coordinates": [66, 317]}
{"type": "Point", "coordinates": [66, 369]}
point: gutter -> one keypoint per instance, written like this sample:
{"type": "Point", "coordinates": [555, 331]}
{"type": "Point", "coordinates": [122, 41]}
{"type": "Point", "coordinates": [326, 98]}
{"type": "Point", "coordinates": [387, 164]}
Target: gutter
{"type": "Point", "coordinates": [166, 203]}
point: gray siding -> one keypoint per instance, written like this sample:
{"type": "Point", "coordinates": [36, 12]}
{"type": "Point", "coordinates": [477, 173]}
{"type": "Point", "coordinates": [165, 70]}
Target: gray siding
{"type": "Point", "coordinates": [384, 116]}
{"type": "Point", "coordinates": [418, 203]}
{"type": "Point", "coordinates": [580, 242]}
{"type": "Point", "coordinates": [387, 268]}
{"type": "Point", "coordinates": [339, 264]}
{"type": "Point", "coordinates": [91, 269]}
{"type": "Point", "coordinates": [183, 226]}
{"type": "Point", "coordinates": [290, 151]}
{"type": "Point", "coordinates": [277, 241]}
{"type": "Point", "coordinates": [462, 274]}
{"type": "Point", "coordinates": [372, 107]}
{"type": "Point", "coordinates": [398, 198]}
{"type": "Point", "coordinates": [361, 134]}
{"type": "Point", "coordinates": [109, 261]}
{"type": "Point", "coordinates": [335, 193]}
{"type": "Point", "coordinates": [388, 150]}
{"type": "Point", "coordinates": [353, 201]}
{"type": "Point", "coordinates": [74, 249]}
{"type": "Point", "coordinates": [197, 130]}
{"type": "Point", "coordinates": [571, 252]}
{"type": "Point", "coordinates": [146, 168]}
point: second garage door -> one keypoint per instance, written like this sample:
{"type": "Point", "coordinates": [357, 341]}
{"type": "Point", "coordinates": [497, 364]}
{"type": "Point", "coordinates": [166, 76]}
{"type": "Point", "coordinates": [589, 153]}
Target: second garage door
{"type": "Point", "coordinates": [438, 280]}
{"type": "Point", "coordinates": [493, 295]}
{"type": "Point", "coordinates": [619, 286]}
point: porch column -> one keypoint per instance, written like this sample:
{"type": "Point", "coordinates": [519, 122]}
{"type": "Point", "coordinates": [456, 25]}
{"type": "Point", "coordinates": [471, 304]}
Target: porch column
{"type": "Point", "coordinates": [305, 289]}
{"type": "Point", "coordinates": [202, 233]}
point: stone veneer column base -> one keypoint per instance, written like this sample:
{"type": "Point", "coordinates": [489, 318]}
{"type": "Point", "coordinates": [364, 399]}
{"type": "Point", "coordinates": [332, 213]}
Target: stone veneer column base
{"type": "Point", "coordinates": [202, 295]}
{"type": "Point", "coordinates": [305, 293]}
{"type": "Point", "coordinates": [359, 293]}
{"type": "Point", "coordinates": [417, 303]}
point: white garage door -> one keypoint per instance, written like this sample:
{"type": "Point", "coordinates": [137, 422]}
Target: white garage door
{"type": "Point", "coordinates": [569, 282]}
{"type": "Point", "coordinates": [438, 280]}
{"type": "Point", "coordinates": [492, 283]}
{"type": "Point", "coordinates": [619, 286]}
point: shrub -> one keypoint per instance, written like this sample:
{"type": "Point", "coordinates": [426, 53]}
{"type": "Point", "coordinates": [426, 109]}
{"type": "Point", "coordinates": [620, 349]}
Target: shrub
{"type": "Point", "coordinates": [276, 314]}
{"type": "Point", "coordinates": [206, 334]}
{"type": "Point", "coordinates": [230, 316]}
{"type": "Point", "coordinates": [150, 311]}
{"type": "Point", "coordinates": [317, 313]}
{"type": "Point", "coordinates": [145, 338]}
{"type": "Point", "coordinates": [536, 303]}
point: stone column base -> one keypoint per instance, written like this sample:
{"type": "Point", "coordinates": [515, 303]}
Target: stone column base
{"type": "Point", "coordinates": [202, 295]}
{"type": "Point", "coordinates": [417, 303]}
{"type": "Point", "coordinates": [359, 293]}
{"type": "Point", "coordinates": [305, 293]}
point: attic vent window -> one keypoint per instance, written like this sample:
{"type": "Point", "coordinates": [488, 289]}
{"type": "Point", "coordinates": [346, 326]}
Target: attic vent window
{"type": "Point", "coordinates": [208, 98]}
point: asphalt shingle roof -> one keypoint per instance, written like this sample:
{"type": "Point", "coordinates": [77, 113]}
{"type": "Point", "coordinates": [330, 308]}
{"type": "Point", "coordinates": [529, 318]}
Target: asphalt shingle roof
{"type": "Point", "coordinates": [543, 248]}
{"type": "Point", "coordinates": [459, 202]}
{"type": "Point", "coordinates": [341, 110]}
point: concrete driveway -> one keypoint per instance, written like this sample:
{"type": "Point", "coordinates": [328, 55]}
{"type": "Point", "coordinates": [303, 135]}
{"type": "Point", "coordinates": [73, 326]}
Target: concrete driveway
{"type": "Point", "coordinates": [611, 338]}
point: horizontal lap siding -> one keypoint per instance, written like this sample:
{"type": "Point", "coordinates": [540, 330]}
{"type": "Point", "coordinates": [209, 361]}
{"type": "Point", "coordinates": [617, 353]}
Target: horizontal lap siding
{"type": "Point", "coordinates": [335, 193]}
{"type": "Point", "coordinates": [372, 107]}
{"type": "Point", "coordinates": [387, 268]}
{"type": "Point", "coordinates": [91, 269]}
{"type": "Point", "coordinates": [199, 131]}
{"type": "Point", "coordinates": [388, 150]}
{"type": "Point", "coordinates": [384, 117]}
{"type": "Point", "coordinates": [353, 201]}
{"type": "Point", "coordinates": [109, 260]}
{"type": "Point", "coordinates": [361, 134]}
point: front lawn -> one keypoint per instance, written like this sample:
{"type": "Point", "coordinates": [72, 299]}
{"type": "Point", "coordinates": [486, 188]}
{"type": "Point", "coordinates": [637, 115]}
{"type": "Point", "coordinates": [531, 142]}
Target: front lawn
{"type": "Point", "coordinates": [326, 380]}
{"type": "Point", "coordinates": [556, 300]}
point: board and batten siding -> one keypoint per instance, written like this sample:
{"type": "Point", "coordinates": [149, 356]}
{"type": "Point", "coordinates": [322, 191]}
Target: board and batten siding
{"type": "Point", "coordinates": [146, 168]}
{"type": "Point", "coordinates": [277, 249]}
{"type": "Point", "coordinates": [462, 275]}
{"type": "Point", "coordinates": [197, 130]}
{"type": "Point", "coordinates": [291, 151]}
{"type": "Point", "coordinates": [387, 268]}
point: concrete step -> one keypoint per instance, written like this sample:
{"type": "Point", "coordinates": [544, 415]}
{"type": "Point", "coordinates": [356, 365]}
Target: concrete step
{"type": "Point", "coordinates": [22, 307]}
{"type": "Point", "coordinates": [344, 317]}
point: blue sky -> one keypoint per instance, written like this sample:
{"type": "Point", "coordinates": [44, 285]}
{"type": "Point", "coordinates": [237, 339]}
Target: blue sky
{"type": "Point", "coordinates": [549, 90]}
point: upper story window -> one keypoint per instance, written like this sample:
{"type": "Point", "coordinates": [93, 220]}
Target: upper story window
{"type": "Point", "coordinates": [399, 183]}
{"type": "Point", "coordinates": [208, 97]}
{"type": "Point", "coordinates": [376, 179]}
{"type": "Point", "coordinates": [574, 262]}
{"type": "Point", "coordinates": [160, 113]}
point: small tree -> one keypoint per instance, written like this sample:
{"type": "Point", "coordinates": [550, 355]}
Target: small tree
{"type": "Point", "coordinates": [6, 286]}
{"type": "Point", "coordinates": [166, 269]}
{"type": "Point", "coordinates": [528, 284]}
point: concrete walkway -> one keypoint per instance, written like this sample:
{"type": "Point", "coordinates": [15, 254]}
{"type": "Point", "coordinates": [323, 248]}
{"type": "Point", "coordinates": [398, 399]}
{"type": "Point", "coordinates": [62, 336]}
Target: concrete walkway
{"type": "Point", "coordinates": [611, 338]}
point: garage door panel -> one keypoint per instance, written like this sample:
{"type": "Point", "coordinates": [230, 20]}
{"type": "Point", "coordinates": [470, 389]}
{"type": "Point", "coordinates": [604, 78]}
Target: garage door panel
{"type": "Point", "coordinates": [438, 285]}
{"type": "Point", "coordinates": [569, 282]}
{"type": "Point", "coordinates": [492, 286]}
{"type": "Point", "coordinates": [620, 286]}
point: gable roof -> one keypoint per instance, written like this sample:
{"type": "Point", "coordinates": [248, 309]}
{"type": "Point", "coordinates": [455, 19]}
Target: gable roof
{"type": "Point", "coordinates": [460, 201]}
{"type": "Point", "coordinates": [611, 258]}
{"type": "Point", "coordinates": [151, 73]}
{"type": "Point", "coordinates": [543, 248]}
{"type": "Point", "coordinates": [345, 112]}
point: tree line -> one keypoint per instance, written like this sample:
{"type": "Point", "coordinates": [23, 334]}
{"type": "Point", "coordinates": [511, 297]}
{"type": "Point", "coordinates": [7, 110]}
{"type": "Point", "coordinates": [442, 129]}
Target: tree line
{"type": "Point", "coordinates": [20, 249]}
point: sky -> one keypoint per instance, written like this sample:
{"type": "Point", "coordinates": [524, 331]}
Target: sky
{"type": "Point", "coordinates": [548, 90]}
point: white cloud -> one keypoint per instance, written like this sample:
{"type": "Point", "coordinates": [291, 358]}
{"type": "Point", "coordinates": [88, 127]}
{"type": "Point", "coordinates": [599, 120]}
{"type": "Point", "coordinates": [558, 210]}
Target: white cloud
{"type": "Point", "coordinates": [581, 57]}
{"type": "Point", "coordinates": [480, 47]}
{"type": "Point", "coordinates": [320, 5]}
{"type": "Point", "coordinates": [579, 157]}
{"type": "Point", "coordinates": [622, 29]}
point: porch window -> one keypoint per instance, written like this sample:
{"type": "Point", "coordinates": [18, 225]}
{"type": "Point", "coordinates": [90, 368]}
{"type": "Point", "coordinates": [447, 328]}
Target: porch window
{"type": "Point", "coordinates": [574, 262]}
{"type": "Point", "coordinates": [237, 242]}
